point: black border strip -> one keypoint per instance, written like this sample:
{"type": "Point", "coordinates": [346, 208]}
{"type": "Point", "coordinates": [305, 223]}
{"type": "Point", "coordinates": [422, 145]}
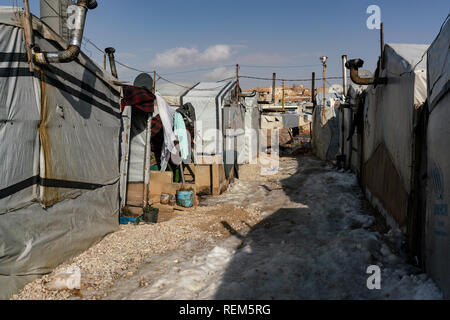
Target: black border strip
{"type": "Point", "coordinates": [21, 57]}
{"type": "Point", "coordinates": [232, 85]}
{"type": "Point", "coordinates": [218, 114]}
{"type": "Point", "coordinates": [18, 187]}
{"type": "Point", "coordinates": [185, 94]}
{"type": "Point", "coordinates": [83, 85]}
{"type": "Point", "coordinates": [217, 104]}
{"type": "Point", "coordinates": [13, 57]}
{"type": "Point", "coordinates": [74, 92]}
{"type": "Point", "coordinates": [25, 72]}
{"type": "Point", "coordinates": [49, 183]}
{"type": "Point", "coordinates": [15, 72]}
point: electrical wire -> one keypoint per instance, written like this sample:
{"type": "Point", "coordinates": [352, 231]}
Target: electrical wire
{"type": "Point", "coordinates": [162, 77]}
{"type": "Point", "coordinates": [280, 67]}
{"type": "Point", "coordinates": [289, 80]}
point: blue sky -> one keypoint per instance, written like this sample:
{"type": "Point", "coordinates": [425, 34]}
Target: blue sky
{"type": "Point", "coordinates": [174, 36]}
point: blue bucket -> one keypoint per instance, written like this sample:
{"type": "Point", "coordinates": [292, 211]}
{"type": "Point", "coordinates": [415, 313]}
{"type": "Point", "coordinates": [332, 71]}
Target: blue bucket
{"type": "Point", "coordinates": [185, 198]}
{"type": "Point", "coordinates": [127, 220]}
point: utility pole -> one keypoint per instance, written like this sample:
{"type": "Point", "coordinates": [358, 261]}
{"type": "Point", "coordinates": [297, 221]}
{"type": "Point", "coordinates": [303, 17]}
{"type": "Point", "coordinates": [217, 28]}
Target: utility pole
{"type": "Point", "coordinates": [324, 64]}
{"type": "Point", "coordinates": [313, 90]}
{"type": "Point", "coordinates": [274, 79]}
{"type": "Point", "coordinates": [382, 44]}
{"type": "Point", "coordinates": [284, 111]}
{"type": "Point", "coordinates": [342, 158]}
{"type": "Point", "coordinates": [313, 100]}
{"type": "Point", "coordinates": [238, 87]}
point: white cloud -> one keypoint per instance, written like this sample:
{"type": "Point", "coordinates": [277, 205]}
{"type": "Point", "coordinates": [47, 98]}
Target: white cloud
{"type": "Point", "coordinates": [219, 74]}
{"type": "Point", "coordinates": [216, 53]}
{"type": "Point", "coordinates": [178, 57]}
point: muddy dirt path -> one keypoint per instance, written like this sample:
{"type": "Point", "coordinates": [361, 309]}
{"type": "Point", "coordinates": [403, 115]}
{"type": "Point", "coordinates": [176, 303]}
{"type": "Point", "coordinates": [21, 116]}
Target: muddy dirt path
{"type": "Point", "coordinates": [315, 240]}
{"type": "Point", "coordinates": [304, 233]}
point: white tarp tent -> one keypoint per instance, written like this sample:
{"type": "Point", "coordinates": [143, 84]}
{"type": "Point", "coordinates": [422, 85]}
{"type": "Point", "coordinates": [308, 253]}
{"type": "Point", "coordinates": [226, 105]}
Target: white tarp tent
{"type": "Point", "coordinates": [388, 128]}
{"type": "Point", "coordinates": [173, 93]}
{"type": "Point", "coordinates": [325, 136]}
{"type": "Point", "coordinates": [59, 156]}
{"type": "Point", "coordinates": [209, 100]}
{"type": "Point", "coordinates": [252, 124]}
{"type": "Point", "coordinates": [438, 161]}
{"type": "Point", "coordinates": [138, 136]}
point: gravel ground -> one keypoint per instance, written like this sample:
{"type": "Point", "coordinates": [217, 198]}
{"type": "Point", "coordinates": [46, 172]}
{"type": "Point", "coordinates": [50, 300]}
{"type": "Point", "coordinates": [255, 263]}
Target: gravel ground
{"type": "Point", "coordinates": [119, 254]}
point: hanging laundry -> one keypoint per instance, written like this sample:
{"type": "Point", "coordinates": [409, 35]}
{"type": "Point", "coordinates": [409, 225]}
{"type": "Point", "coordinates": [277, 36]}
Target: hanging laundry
{"type": "Point", "coordinates": [169, 149]}
{"type": "Point", "coordinates": [138, 97]}
{"type": "Point", "coordinates": [181, 133]}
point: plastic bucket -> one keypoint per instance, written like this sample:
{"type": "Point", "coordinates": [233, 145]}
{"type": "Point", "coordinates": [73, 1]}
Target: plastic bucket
{"type": "Point", "coordinates": [185, 198]}
{"type": "Point", "coordinates": [127, 220]}
{"type": "Point", "coordinates": [165, 199]}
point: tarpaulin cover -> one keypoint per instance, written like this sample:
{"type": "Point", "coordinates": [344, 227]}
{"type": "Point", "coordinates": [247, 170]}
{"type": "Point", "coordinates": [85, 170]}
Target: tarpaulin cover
{"type": "Point", "coordinates": [208, 99]}
{"type": "Point", "coordinates": [389, 109]}
{"type": "Point", "coordinates": [59, 144]}
{"type": "Point", "coordinates": [439, 66]}
{"type": "Point", "coordinates": [252, 127]}
{"type": "Point", "coordinates": [325, 140]}
{"type": "Point", "coordinates": [438, 182]}
{"type": "Point", "coordinates": [173, 93]}
{"type": "Point", "coordinates": [181, 134]}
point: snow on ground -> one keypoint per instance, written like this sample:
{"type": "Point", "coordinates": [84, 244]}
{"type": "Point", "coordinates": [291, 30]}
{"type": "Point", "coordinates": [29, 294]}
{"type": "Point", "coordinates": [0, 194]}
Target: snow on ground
{"type": "Point", "coordinates": [316, 241]}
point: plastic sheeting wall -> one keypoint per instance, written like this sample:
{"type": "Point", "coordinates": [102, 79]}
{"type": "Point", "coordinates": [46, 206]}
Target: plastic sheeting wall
{"type": "Point", "coordinates": [19, 120]}
{"type": "Point", "coordinates": [325, 138]}
{"type": "Point", "coordinates": [138, 136]}
{"type": "Point", "coordinates": [173, 94]}
{"type": "Point", "coordinates": [388, 127]}
{"type": "Point", "coordinates": [438, 182]}
{"type": "Point", "coordinates": [208, 99]}
{"type": "Point", "coordinates": [59, 142]}
{"type": "Point", "coordinates": [252, 127]}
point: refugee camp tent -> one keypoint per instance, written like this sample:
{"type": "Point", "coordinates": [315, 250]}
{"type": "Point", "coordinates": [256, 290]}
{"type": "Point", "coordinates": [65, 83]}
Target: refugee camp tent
{"type": "Point", "coordinates": [252, 124]}
{"type": "Point", "coordinates": [350, 141]}
{"type": "Point", "coordinates": [215, 113]}
{"type": "Point", "coordinates": [438, 161]}
{"type": "Point", "coordinates": [59, 156]}
{"type": "Point", "coordinates": [173, 93]}
{"type": "Point", "coordinates": [325, 136]}
{"type": "Point", "coordinates": [388, 138]}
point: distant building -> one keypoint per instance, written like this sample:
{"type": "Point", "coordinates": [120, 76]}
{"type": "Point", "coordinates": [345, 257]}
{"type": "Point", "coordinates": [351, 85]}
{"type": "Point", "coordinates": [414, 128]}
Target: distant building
{"type": "Point", "coordinates": [293, 94]}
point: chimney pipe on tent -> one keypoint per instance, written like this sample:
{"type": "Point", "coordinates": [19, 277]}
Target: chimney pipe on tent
{"type": "Point", "coordinates": [354, 65]}
{"type": "Point", "coordinates": [112, 62]}
{"type": "Point", "coordinates": [76, 36]}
